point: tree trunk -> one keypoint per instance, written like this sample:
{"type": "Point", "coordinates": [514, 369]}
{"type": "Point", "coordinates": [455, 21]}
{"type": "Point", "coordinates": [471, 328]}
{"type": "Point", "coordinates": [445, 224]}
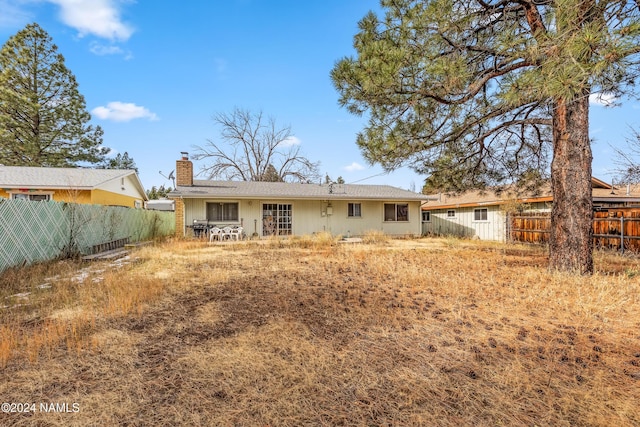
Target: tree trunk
{"type": "Point", "coordinates": [570, 246]}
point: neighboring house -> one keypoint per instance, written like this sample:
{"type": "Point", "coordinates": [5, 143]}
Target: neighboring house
{"type": "Point", "coordinates": [282, 209]}
{"type": "Point", "coordinates": [75, 185]}
{"type": "Point", "coordinates": [482, 214]}
{"type": "Point", "coordinates": [161, 205]}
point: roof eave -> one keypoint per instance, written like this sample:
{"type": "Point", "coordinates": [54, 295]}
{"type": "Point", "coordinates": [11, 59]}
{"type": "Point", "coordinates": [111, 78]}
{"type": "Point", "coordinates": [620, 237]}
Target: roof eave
{"type": "Point", "coordinates": [46, 187]}
{"type": "Point", "coordinates": [178, 194]}
{"type": "Point", "coordinates": [617, 199]}
{"type": "Point", "coordinates": [487, 203]}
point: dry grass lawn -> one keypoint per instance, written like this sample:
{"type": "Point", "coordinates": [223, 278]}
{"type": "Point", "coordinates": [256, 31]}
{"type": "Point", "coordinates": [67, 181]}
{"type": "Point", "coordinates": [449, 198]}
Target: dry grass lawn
{"type": "Point", "coordinates": [311, 332]}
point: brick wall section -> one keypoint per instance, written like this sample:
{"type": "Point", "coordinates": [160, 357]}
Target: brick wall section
{"type": "Point", "coordinates": [184, 178]}
{"type": "Point", "coordinates": [179, 217]}
{"type": "Point", "coordinates": [184, 173]}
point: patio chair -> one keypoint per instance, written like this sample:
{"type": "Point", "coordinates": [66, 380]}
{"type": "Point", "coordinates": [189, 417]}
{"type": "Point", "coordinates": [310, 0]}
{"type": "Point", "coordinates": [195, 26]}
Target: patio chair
{"type": "Point", "coordinates": [236, 233]}
{"type": "Point", "coordinates": [215, 233]}
{"type": "Point", "coordinates": [226, 232]}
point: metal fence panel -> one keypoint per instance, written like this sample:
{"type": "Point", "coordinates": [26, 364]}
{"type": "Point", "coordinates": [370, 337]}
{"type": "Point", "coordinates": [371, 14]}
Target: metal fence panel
{"type": "Point", "coordinates": [41, 231]}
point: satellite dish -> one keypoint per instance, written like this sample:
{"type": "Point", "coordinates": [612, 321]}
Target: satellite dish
{"type": "Point", "coordinates": [171, 176]}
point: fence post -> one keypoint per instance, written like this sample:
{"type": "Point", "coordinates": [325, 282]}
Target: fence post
{"type": "Point", "coordinates": [622, 234]}
{"type": "Point", "coordinates": [507, 227]}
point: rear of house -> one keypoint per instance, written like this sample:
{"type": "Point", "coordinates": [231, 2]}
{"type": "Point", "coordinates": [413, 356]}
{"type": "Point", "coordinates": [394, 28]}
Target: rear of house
{"type": "Point", "coordinates": [284, 209]}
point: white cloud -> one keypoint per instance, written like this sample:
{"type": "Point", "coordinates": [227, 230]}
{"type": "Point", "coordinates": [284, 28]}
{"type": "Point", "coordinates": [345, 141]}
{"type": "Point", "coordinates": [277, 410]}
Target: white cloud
{"type": "Point", "coordinates": [290, 141]}
{"type": "Point", "coordinates": [100, 49]}
{"type": "Point", "coordinates": [604, 99]}
{"type": "Point", "coordinates": [98, 17]}
{"type": "Point", "coordinates": [354, 167]}
{"type": "Point", "coordinates": [123, 112]}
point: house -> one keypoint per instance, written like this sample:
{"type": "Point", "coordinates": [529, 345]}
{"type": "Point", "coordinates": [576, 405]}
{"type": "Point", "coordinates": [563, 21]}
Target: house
{"type": "Point", "coordinates": [161, 205]}
{"type": "Point", "coordinates": [284, 209]}
{"type": "Point", "coordinates": [483, 214]}
{"type": "Point", "coordinates": [76, 185]}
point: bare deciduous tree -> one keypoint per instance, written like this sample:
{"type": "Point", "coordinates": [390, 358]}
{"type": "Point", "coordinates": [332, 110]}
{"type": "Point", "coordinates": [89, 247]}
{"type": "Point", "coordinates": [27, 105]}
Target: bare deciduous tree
{"type": "Point", "coordinates": [628, 160]}
{"type": "Point", "coordinates": [253, 148]}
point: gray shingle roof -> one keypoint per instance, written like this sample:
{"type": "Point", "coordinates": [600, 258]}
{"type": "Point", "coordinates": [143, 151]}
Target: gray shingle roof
{"type": "Point", "coordinates": [54, 178]}
{"type": "Point", "coordinates": [284, 190]}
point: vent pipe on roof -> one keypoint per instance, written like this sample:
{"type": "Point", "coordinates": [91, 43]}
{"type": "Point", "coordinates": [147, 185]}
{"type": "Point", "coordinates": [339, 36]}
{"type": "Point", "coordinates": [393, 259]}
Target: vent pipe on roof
{"type": "Point", "coordinates": [628, 189]}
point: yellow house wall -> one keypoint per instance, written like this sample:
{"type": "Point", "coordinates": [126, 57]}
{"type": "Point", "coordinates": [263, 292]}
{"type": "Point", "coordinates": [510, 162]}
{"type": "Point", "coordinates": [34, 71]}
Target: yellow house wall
{"type": "Point", "coordinates": [70, 196]}
{"type": "Point", "coordinates": [97, 197]}
{"type": "Point", "coordinates": [101, 197]}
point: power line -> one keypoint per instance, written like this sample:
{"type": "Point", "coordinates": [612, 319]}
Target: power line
{"type": "Point", "coordinates": [369, 177]}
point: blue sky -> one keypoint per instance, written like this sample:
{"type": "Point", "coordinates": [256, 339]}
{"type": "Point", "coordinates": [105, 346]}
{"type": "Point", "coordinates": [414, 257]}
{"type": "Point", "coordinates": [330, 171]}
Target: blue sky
{"type": "Point", "coordinates": [153, 73]}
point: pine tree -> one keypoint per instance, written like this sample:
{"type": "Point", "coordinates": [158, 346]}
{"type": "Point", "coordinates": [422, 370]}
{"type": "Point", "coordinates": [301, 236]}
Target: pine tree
{"type": "Point", "coordinates": [120, 161]}
{"type": "Point", "coordinates": [271, 175]}
{"type": "Point", "coordinates": [158, 193]}
{"type": "Point", "coordinates": [479, 93]}
{"type": "Point", "coordinates": [43, 117]}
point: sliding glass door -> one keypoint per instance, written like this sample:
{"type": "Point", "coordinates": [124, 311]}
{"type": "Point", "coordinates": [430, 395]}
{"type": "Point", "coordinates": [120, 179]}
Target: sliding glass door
{"type": "Point", "coordinates": [277, 219]}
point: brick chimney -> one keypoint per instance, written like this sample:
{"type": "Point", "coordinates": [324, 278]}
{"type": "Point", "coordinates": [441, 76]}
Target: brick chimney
{"type": "Point", "coordinates": [184, 171]}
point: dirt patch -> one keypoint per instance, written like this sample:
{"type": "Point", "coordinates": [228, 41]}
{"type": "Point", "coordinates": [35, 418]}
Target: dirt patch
{"type": "Point", "coordinates": [408, 333]}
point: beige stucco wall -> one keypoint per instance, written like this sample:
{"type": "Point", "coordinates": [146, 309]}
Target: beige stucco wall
{"type": "Point", "coordinates": [310, 216]}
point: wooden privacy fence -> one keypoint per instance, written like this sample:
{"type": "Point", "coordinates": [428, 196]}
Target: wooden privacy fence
{"type": "Point", "coordinates": [614, 229]}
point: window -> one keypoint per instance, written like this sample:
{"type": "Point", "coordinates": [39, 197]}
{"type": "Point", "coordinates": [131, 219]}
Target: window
{"type": "Point", "coordinates": [396, 212]}
{"type": "Point", "coordinates": [480, 214]}
{"type": "Point", "coordinates": [31, 197]}
{"type": "Point", "coordinates": [426, 216]}
{"type": "Point", "coordinates": [451, 214]}
{"type": "Point", "coordinates": [222, 212]}
{"type": "Point", "coordinates": [354, 210]}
